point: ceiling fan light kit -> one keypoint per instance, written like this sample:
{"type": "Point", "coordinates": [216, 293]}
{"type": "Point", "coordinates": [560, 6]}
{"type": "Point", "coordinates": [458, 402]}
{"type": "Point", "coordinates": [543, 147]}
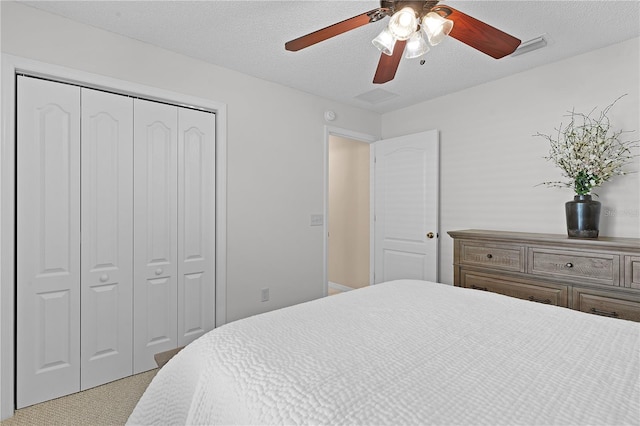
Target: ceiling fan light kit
{"type": "Point", "coordinates": [385, 42]}
{"type": "Point", "coordinates": [404, 33]}
{"type": "Point", "coordinates": [416, 46]}
{"type": "Point", "coordinates": [436, 27]}
{"type": "Point", "coordinates": [403, 23]}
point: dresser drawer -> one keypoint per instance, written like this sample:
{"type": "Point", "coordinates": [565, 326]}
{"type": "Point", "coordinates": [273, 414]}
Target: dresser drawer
{"type": "Point", "coordinates": [632, 271]}
{"type": "Point", "coordinates": [593, 267]}
{"type": "Point", "coordinates": [548, 294]}
{"type": "Point", "coordinates": [606, 304]}
{"type": "Point", "coordinates": [601, 276]}
{"type": "Point", "coordinates": [495, 256]}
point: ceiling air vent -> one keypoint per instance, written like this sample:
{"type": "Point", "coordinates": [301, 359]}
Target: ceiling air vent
{"type": "Point", "coordinates": [531, 45]}
{"type": "Point", "coordinates": [376, 96]}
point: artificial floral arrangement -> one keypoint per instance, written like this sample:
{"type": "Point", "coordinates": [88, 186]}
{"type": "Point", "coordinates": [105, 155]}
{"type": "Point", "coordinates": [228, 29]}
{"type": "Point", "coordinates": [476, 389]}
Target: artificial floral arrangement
{"type": "Point", "coordinates": [589, 151]}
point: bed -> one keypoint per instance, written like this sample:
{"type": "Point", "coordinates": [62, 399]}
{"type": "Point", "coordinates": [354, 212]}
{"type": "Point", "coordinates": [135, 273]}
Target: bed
{"type": "Point", "coordinates": [405, 352]}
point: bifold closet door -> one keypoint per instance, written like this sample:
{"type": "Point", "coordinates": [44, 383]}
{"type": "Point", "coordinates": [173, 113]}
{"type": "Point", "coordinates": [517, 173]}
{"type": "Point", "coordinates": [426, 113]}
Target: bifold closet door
{"type": "Point", "coordinates": [155, 231]}
{"type": "Point", "coordinates": [48, 241]}
{"type": "Point", "coordinates": [107, 237]}
{"type": "Point", "coordinates": [115, 235]}
{"type": "Point", "coordinates": [196, 219]}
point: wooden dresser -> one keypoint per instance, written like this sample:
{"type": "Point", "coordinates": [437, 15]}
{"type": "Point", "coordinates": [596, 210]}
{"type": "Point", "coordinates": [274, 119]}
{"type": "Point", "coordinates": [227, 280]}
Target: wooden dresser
{"type": "Point", "coordinates": [600, 276]}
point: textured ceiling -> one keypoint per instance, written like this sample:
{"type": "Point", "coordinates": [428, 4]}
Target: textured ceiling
{"type": "Point", "coordinates": [249, 37]}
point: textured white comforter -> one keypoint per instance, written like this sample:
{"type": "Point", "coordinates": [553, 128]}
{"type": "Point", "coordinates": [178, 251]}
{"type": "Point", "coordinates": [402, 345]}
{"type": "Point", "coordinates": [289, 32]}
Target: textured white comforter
{"type": "Point", "coordinates": [405, 352]}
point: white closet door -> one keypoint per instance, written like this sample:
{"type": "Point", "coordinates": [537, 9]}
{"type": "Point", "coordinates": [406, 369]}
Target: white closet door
{"type": "Point", "coordinates": [196, 221]}
{"type": "Point", "coordinates": [155, 231]}
{"type": "Point", "coordinates": [48, 240]}
{"type": "Point", "coordinates": [107, 237]}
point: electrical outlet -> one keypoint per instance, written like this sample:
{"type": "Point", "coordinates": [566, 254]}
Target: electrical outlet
{"type": "Point", "coordinates": [265, 294]}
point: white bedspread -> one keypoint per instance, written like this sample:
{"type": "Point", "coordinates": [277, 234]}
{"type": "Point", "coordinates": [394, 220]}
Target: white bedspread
{"type": "Point", "coordinates": [405, 352]}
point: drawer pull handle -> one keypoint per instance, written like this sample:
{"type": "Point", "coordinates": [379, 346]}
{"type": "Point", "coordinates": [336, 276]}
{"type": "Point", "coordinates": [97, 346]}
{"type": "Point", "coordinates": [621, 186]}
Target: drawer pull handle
{"type": "Point", "coordinates": [475, 287]}
{"type": "Point", "coordinates": [489, 256]}
{"type": "Point", "coordinates": [612, 314]}
{"type": "Point", "coordinates": [545, 301]}
{"type": "Point", "coordinates": [569, 265]}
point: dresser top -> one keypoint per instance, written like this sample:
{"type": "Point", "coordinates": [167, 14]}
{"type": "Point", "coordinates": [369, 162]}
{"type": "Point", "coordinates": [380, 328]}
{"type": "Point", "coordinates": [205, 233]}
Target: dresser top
{"type": "Point", "coordinates": [556, 239]}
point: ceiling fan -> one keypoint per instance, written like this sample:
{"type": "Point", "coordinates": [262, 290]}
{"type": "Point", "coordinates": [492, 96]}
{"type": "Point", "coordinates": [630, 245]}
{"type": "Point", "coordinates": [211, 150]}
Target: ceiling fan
{"type": "Point", "coordinates": [410, 22]}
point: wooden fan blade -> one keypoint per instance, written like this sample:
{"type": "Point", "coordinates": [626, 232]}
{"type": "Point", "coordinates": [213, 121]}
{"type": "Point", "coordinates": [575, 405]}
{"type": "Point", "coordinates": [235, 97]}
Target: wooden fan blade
{"type": "Point", "coordinates": [388, 65]}
{"type": "Point", "coordinates": [479, 35]}
{"type": "Point", "coordinates": [334, 30]}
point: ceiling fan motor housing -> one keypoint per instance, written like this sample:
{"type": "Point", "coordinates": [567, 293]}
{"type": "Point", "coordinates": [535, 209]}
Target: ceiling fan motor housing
{"type": "Point", "coordinates": [420, 7]}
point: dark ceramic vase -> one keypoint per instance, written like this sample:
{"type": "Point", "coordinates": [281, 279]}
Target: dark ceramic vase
{"type": "Point", "coordinates": [583, 217]}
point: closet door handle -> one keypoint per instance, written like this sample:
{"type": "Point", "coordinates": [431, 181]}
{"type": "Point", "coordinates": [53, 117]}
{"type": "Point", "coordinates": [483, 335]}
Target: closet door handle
{"type": "Point", "coordinates": [158, 271]}
{"type": "Point", "coordinates": [104, 278]}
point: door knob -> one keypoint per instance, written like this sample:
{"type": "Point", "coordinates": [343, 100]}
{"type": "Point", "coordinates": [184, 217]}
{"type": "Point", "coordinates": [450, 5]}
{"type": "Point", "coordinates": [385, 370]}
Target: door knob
{"type": "Point", "coordinates": [158, 271]}
{"type": "Point", "coordinates": [431, 235]}
{"type": "Point", "coordinates": [104, 278]}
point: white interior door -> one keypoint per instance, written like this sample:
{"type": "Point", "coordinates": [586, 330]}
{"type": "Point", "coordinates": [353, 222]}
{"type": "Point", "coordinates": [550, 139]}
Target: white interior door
{"type": "Point", "coordinates": [155, 231]}
{"type": "Point", "coordinates": [196, 219]}
{"type": "Point", "coordinates": [48, 241]}
{"type": "Point", "coordinates": [406, 207]}
{"type": "Point", "coordinates": [107, 237]}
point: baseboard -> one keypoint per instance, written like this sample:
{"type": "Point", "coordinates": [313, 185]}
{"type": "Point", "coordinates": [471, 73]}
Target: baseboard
{"type": "Point", "coordinates": [340, 287]}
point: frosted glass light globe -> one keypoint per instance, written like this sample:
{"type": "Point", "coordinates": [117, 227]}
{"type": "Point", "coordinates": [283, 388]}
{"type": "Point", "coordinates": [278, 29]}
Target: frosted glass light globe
{"type": "Point", "coordinates": [403, 23]}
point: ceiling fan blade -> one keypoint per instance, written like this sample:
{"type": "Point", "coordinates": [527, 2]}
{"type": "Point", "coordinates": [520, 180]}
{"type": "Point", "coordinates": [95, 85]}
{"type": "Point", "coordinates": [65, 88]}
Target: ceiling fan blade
{"type": "Point", "coordinates": [388, 65]}
{"type": "Point", "coordinates": [335, 29]}
{"type": "Point", "coordinates": [477, 34]}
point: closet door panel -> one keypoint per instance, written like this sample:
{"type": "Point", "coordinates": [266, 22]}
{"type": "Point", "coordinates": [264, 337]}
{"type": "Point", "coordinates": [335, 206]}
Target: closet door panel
{"type": "Point", "coordinates": [155, 231]}
{"type": "Point", "coordinates": [48, 241]}
{"type": "Point", "coordinates": [107, 241]}
{"type": "Point", "coordinates": [196, 219]}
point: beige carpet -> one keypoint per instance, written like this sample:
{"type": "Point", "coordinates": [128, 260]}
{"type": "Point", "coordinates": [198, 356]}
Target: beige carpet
{"type": "Point", "coordinates": [109, 404]}
{"type": "Point", "coordinates": [163, 357]}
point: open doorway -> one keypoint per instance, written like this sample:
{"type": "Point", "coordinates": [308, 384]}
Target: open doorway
{"type": "Point", "coordinates": [348, 213]}
{"type": "Point", "coordinates": [403, 190]}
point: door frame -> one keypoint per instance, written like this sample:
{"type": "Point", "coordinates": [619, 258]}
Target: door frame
{"type": "Point", "coordinates": [10, 67]}
{"type": "Point", "coordinates": [330, 131]}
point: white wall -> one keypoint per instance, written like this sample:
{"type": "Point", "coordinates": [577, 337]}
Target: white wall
{"type": "Point", "coordinates": [275, 149]}
{"type": "Point", "coordinates": [491, 163]}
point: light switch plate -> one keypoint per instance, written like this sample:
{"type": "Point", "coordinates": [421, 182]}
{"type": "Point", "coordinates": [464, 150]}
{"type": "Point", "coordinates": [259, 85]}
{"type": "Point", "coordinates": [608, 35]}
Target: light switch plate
{"type": "Point", "coordinates": [317, 220]}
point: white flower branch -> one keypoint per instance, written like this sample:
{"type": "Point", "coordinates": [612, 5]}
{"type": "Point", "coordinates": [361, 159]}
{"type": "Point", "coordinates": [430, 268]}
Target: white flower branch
{"type": "Point", "coordinates": [588, 151]}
